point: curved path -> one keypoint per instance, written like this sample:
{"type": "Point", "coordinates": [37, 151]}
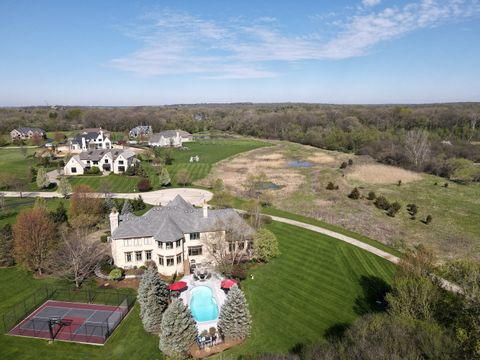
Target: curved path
{"type": "Point", "coordinates": [158, 197]}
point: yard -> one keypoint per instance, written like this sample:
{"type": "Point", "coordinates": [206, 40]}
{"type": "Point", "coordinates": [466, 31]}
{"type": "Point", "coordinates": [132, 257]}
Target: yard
{"type": "Point", "coordinates": [209, 152]}
{"type": "Point", "coordinates": [315, 286]}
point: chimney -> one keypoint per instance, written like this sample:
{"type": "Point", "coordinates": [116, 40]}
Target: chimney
{"type": "Point", "coordinates": [205, 209]}
{"type": "Point", "coordinates": [84, 146]}
{"type": "Point", "coordinates": [113, 220]}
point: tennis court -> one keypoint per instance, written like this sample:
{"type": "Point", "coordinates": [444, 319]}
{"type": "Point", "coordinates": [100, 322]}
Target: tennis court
{"type": "Point", "coordinates": [71, 321]}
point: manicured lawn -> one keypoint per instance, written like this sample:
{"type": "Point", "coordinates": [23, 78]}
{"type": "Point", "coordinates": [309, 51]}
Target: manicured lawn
{"type": "Point", "coordinates": [13, 162]}
{"type": "Point", "coordinates": [313, 287]}
{"type": "Point", "coordinates": [128, 341]}
{"type": "Point", "coordinates": [15, 205]}
{"type": "Point", "coordinates": [117, 183]}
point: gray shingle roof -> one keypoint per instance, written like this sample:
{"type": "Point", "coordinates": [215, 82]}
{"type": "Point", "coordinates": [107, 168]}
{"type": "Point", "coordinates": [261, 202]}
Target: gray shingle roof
{"type": "Point", "coordinates": [171, 222]}
{"type": "Point", "coordinates": [25, 130]}
{"type": "Point", "coordinates": [97, 154]}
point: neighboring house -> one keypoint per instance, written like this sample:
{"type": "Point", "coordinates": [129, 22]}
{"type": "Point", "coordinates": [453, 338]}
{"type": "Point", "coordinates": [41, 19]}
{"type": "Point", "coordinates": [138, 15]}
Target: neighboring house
{"type": "Point", "coordinates": [24, 133]}
{"type": "Point", "coordinates": [115, 160]}
{"type": "Point", "coordinates": [170, 138]}
{"type": "Point", "coordinates": [91, 140]}
{"type": "Point", "coordinates": [142, 130]}
{"type": "Point", "coordinates": [173, 236]}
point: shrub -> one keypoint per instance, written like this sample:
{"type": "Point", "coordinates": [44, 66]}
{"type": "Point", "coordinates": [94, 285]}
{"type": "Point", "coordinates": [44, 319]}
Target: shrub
{"type": "Point", "coordinates": [445, 185]}
{"type": "Point", "coordinates": [106, 265]}
{"type": "Point", "coordinates": [144, 185]}
{"type": "Point", "coordinates": [330, 186]}
{"type": "Point", "coordinates": [138, 204]}
{"type": "Point", "coordinates": [116, 274]}
{"type": "Point", "coordinates": [382, 203]}
{"type": "Point", "coordinates": [371, 196]}
{"type": "Point", "coordinates": [428, 219]}
{"type": "Point", "coordinates": [394, 209]}
{"type": "Point", "coordinates": [412, 210]}
{"type": "Point", "coordinates": [239, 271]}
{"type": "Point", "coordinates": [350, 162]}
{"type": "Point", "coordinates": [355, 194]}
{"type": "Point", "coordinates": [93, 171]}
{"type": "Point", "coordinates": [104, 238]}
{"type": "Point", "coordinates": [343, 165]}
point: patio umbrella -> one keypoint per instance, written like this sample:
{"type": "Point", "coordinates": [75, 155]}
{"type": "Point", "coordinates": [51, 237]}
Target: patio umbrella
{"type": "Point", "coordinates": [176, 286]}
{"type": "Point", "coordinates": [228, 283]}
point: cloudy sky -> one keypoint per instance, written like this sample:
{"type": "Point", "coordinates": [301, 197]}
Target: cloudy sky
{"type": "Point", "coordinates": [122, 52]}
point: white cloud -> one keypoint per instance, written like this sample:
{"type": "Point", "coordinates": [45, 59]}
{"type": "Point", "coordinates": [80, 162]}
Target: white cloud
{"type": "Point", "coordinates": [371, 2]}
{"type": "Point", "coordinates": [178, 43]}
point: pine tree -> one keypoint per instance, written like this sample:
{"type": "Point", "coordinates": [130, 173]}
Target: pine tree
{"type": "Point", "coordinates": [164, 177]}
{"type": "Point", "coordinates": [178, 331]}
{"type": "Point", "coordinates": [235, 320]}
{"type": "Point", "coordinates": [127, 208]}
{"type": "Point", "coordinates": [153, 299]}
{"type": "Point", "coordinates": [109, 204]}
{"type": "Point", "coordinates": [64, 187]}
{"type": "Point", "coordinates": [42, 179]}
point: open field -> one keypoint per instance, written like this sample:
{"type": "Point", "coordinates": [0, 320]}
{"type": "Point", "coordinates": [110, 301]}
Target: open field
{"type": "Point", "coordinates": [13, 162]}
{"type": "Point", "coordinates": [322, 283]}
{"type": "Point", "coordinates": [14, 205]}
{"type": "Point", "coordinates": [209, 152]}
{"type": "Point", "coordinates": [454, 231]}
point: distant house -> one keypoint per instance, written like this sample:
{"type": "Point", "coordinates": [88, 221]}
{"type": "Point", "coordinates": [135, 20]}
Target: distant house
{"type": "Point", "coordinates": [167, 138]}
{"type": "Point", "coordinates": [114, 160]}
{"type": "Point", "coordinates": [142, 130]}
{"type": "Point", "coordinates": [91, 140]}
{"type": "Point", "coordinates": [24, 133]}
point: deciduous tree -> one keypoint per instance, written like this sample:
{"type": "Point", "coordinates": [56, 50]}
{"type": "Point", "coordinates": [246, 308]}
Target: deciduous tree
{"type": "Point", "coordinates": [42, 178]}
{"type": "Point", "coordinates": [265, 245]}
{"type": "Point", "coordinates": [164, 177]}
{"type": "Point", "coordinates": [64, 187]}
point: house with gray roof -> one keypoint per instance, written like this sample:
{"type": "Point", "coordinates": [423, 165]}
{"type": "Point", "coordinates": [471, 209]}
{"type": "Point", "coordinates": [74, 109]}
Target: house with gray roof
{"type": "Point", "coordinates": [112, 160]}
{"type": "Point", "coordinates": [168, 138]}
{"type": "Point", "coordinates": [177, 237]}
{"type": "Point", "coordinates": [24, 133]}
{"type": "Point", "coordinates": [91, 139]}
{"type": "Point", "coordinates": [141, 130]}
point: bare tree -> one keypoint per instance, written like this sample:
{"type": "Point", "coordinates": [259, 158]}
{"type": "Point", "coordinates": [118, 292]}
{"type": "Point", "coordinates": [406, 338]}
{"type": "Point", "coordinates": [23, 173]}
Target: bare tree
{"type": "Point", "coordinates": [231, 247]}
{"type": "Point", "coordinates": [78, 255]}
{"type": "Point", "coordinates": [473, 123]}
{"type": "Point", "coordinates": [417, 147]}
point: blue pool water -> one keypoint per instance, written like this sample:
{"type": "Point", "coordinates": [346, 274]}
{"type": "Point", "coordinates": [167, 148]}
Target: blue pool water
{"type": "Point", "coordinates": [299, 163]}
{"type": "Point", "coordinates": [203, 304]}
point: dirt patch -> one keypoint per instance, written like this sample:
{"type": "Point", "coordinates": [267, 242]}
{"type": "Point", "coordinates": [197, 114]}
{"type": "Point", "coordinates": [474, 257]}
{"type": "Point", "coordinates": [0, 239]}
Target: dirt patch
{"type": "Point", "coordinates": [122, 284]}
{"type": "Point", "coordinates": [382, 174]}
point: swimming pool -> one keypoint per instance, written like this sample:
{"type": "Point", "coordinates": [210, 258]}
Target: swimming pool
{"type": "Point", "coordinates": [203, 304]}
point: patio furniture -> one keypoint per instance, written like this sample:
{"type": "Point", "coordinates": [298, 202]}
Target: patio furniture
{"type": "Point", "coordinates": [177, 286]}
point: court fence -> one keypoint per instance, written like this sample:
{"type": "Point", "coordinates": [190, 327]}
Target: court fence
{"type": "Point", "coordinates": [119, 304]}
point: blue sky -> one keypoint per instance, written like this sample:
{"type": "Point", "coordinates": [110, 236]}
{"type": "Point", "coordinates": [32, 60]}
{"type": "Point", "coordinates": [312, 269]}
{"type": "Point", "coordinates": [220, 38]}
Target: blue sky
{"type": "Point", "coordinates": [119, 52]}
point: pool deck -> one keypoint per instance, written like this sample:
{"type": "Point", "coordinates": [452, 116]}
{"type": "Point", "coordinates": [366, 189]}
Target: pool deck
{"type": "Point", "coordinates": [219, 295]}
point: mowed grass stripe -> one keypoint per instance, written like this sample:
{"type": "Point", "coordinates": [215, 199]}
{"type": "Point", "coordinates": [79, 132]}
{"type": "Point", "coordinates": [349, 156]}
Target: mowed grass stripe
{"type": "Point", "coordinates": [306, 290]}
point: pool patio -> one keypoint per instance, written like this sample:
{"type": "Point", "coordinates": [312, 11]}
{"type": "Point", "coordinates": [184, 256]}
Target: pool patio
{"type": "Point", "coordinates": [219, 295]}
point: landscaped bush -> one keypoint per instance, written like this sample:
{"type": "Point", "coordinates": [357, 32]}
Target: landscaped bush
{"type": "Point", "coordinates": [106, 265]}
{"type": "Point", "coordinates": [138, 204]}
{"type": "Point", "coordinates": [93, 171]}
{"type": "Point", "coordinates": [104, 238]}
{"type": "Point", "coordinates": [116, 274]}
{"type": "Point", "coordinates": [144, 185]}
{"type": "Point", "coordinates": [355, 194]}
{"type": "Point", "coordinates": [382, 203]}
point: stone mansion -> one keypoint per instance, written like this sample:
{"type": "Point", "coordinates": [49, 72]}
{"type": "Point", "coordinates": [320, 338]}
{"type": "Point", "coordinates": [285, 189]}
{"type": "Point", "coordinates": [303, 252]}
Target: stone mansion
{"type": "Point", "coordinates": [174, 237]}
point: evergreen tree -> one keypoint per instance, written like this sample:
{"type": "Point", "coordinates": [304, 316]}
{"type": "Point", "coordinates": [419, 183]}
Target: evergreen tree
{"type": "Point", "coordinates": [164, 177]}
{"type": "Point", "coordinates": [235, 320]}
{"type": "Point", "coordinates": [64, 187]}
{"type": "Point", "coordinates": [6, 246]}
{"type": "Point", "coordinates": [178, 331]}
{"type": "Point", "coordinates": [109, 204]}
{"type": "Point", "coordinates": [42, 179]}
{"type": "Point", "coordinates": [127, 208]}
{"type": "Point", "coordinates": [153, 299]}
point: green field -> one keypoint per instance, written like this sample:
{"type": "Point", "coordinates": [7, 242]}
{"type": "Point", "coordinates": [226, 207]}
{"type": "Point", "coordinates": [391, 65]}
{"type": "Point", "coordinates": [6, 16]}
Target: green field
{"type": "Point", "coordinates": [315, 286]}
{"type": "Point", "coordinates": [209, 152]}
{"type": "Point", "coordinates": [13, 162]}
{"type": "Point", "coordinates": [14, 205]}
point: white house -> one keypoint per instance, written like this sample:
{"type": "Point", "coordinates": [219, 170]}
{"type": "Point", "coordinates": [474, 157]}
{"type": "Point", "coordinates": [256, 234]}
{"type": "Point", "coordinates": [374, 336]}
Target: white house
{"type": "Point", "coordinates": [24, 133]}
{"type": "Point", "coordinates": [174, 237]}
{"type": "Point", "coordinates": [173, 138]}
{"type": "Point", "coordinates": [91, 140]}
{"type": "Point", "coordinates": [114, 160]}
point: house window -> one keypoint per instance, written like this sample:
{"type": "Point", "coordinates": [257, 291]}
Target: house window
{"type": "Point", "coordinates": [148, 254]}
{"type": "Point", "coordinates": [169, 245]}
{"type": "Point", "coordinates": [138, 255]}
{"type": "Point", "coordinates": [160, 245]}
{"type": "Point", "coordinates": [160, 260]}
{"type": "Point", "coordinates": [170, 261]}
{"type": "Point", "coordinates": [179, 258]}
{"type": "Point", "coordinates": [74, 170]}
{"type": "Point", "coordinates": [194, 251]}
{"type": "Point", "coordinates": [120, 162]}
{"type": "Point", "coordinates": [178, 243]}
{"type": "Point", "coordinates": [128, 257]}
{"type": "Point", "coordinates": [95, 163]}
{"type": "Point", "coordinates": [195, 236]}
{"type": "Point", "coordinates": [106, 161]}
{"type": "Point", "coordinates": [231, 246]}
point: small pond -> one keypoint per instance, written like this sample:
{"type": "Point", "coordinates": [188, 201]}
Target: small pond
{"type": "Point", "coordinates": [300, 163]}
{"type": "Point", "coordinates": [267, 185]}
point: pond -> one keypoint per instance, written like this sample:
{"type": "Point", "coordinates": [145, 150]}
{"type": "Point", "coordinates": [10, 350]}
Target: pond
{"type": "Point", "coordinates": [299, 163]}
{"type": "Point", "coordinates": [267, 185]}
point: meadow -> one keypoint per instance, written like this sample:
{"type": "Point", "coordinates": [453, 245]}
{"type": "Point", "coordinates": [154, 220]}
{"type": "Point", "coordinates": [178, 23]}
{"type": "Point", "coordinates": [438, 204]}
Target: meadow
{"type": "Point", "coordinates": [312, 290]}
